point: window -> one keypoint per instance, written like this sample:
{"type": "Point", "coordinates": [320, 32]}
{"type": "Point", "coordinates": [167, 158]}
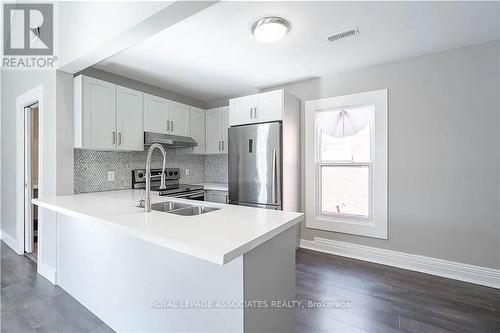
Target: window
{"type": "Point", "coordinates": [346, 164]}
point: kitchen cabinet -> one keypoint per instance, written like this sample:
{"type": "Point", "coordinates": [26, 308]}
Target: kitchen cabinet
{"type": "Point", "coordinates": [95, 118]}
{"type": "Point", "coordinates": [258, 108]}
{"type": "Point", "coordinates": [107, 116]}
{"type": "Point", "coordinates": [216, 130]}
{"type": "Point", "coordinates": [129, 119]}
{"type": "Point", "coordinates": [198, 129]}
{"type": "Point", "coordinates": [156, 114]}
{"type": "Point", "coordinates": [179, 119]}
{"type": "Point", "coordinates": [164, 116]}
{"type": "Point", "coordinates": [241, 110]}
{"type": "Point", "coordinates": [216, 196]}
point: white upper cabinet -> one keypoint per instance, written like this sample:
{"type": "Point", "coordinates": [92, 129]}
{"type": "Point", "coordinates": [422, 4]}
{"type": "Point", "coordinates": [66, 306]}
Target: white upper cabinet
{"type": "Point", "coordinates": [112, 117]}
{"type": "Point", "coordinates": [216, 130]}
{"type": "Point", "coordinates": [179, 119]}
{"type": "Point", "coordinates": [95, 114]}
{"type": "Point", "coordinates": [198, 129]}
{"type": "Point", "coordinates": [156, 114]}
{"type": "Point", "coordinates": [164, 116]}
{"type": "Point", "coordinates": [263, 107]}
{"type": "Point", "coordinates": [225, 125]}
{"type": "Point", "coordinates": [241, 110]}
{"type": "Point", "coordinates": [268, 106]}
{"type": "Point", "coordinates": [107, 116]}
{"type": "Point", "coordinates": [129, 119]}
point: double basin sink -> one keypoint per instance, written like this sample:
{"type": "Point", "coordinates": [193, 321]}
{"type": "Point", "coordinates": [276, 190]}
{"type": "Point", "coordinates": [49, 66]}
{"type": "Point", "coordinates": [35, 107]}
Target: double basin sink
{"type": "Point", "coordinates": [181, 208]}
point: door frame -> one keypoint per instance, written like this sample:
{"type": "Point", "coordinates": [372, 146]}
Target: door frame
{"type": "Point", "coordinates": [22, 103]}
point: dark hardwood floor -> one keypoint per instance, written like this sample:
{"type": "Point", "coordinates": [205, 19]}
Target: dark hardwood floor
{"type": "Point", "coordinates": [386, 299]}
{"type": "Point", "coordinates": [363, 297]}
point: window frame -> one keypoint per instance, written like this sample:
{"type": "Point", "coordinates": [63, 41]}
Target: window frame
{"type": "Point", "coordinates": [376, 223]}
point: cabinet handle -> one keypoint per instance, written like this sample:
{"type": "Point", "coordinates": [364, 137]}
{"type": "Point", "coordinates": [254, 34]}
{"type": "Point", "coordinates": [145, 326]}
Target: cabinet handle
{"type": "Point", "coordinates": [219, 145]}
{"type": "Point", "coordinates": [251, 116]}
{"type": "Point", "coordinates": [120, 138]}
{"type": "Point", "coordinates": [114, 137]}
{"type": "Point", "coordinates": [222, 145]}
{"type": "Point", "coordinates": [255, 112]}
{"type": "Point", "coordinates": [168, 125]}
{"type": "Point", "coordinates": [172, 125]}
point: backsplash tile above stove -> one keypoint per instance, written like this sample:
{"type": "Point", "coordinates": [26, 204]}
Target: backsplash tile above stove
{"type": "Point", "coordinates": [91, 168]}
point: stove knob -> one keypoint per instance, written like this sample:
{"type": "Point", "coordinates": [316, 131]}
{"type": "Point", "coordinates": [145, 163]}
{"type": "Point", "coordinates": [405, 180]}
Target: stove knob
{"type": "Point", "coordinates": [176, 173]}
{"type": "Point", "coordinates": [140, 175]}
{"type": "Point", "coordinates": [170, 173]}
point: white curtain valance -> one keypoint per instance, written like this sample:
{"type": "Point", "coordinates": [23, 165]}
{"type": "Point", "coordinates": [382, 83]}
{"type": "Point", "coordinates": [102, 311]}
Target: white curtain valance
{"type": "Point", "coordinates": [344, 123]}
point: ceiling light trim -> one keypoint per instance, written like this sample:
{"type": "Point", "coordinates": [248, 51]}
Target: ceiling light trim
{"type": "Point", "coordinates": [270, 20]}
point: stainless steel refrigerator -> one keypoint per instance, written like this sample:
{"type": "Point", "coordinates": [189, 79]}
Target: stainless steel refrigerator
{"type": "Point", "coordinates": [255, 165]}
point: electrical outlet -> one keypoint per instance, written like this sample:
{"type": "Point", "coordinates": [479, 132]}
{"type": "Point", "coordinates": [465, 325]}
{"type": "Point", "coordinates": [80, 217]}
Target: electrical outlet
{"type": "Point", "coordinates": [111, 176]}
{"type": "Point", "coordinates": [186, 172]}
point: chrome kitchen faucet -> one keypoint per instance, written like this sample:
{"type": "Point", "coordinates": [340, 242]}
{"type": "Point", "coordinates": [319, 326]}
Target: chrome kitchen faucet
{"type": "Point", "coordinates": [147, 201]}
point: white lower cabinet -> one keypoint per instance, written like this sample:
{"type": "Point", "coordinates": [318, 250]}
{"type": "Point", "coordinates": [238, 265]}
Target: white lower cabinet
{"type": "Point", "coordinates": [216, 196]}
{"type": "Point", "coordinates": [216, 130]}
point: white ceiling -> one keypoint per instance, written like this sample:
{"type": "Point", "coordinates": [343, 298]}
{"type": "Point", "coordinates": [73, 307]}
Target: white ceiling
{"type": "Point", "coordinates": [213, 54]}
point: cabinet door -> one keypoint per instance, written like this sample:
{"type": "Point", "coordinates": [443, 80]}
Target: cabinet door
{"type": "Point", "coordinates": [225, 125]}
{"type": "Point", "coordinates": [179, 119]}
{"type": "Point", "coordinates": [213, 131]}
{"type": "Point", "coordinates": [269, 106]}
{"type": "Point", "coordinates": [99, 112]}
{"type": "Point", "coordinates": [130, 132]}
{"type": "Point", "coordinates": [216, 196]}
{"type": "Point", "coordinates": [198, 129]}
{"type": "Point", "coordinates": [241, 110]}
{"type": "Point", "coordinates": [156, 114]}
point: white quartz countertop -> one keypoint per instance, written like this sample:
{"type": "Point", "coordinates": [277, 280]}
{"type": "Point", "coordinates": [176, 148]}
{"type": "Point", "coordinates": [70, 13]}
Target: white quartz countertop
{"type": "Point", "coordinates": [213, 186]}
{"type": "Point", "coordinates": [217, 236]}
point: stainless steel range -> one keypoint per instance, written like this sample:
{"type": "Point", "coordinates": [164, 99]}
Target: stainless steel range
{"type": "Point", "coordinates": [173, 188]}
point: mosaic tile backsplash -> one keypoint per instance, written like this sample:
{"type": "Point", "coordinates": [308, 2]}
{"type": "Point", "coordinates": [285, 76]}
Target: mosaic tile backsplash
{"type": "Point", "coordinates": [91, 168]}
{"type": "Point", "coordinates": [216, 168]}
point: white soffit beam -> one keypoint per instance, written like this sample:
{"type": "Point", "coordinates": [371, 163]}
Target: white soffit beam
{"type": "Point", "coordinates": [157, 22]}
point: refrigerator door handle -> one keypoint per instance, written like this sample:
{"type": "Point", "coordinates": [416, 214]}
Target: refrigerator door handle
{"type": "Point", "coordinates": [274, 179]}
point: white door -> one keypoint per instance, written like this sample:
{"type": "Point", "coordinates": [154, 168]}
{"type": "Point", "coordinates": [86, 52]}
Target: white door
{"type": "Point", "coordinates": [130, 132]}
{"type": "Point", "coordinates": [268, 106]}
{"type": "Point", "coordinates": [225, 125]}
{"type": "Point", "coordinates": [213, 131]}
{"type": "Point", "coordinates": [198, 129]}
{"type": "Point", "coordinates": [99, 109]}
{"type": "Point", "coordinates": [156, 114]}
{"type": "Point", "coordinates": [241, 110]}
{"type": "Point", "coordinates": [179, 119]}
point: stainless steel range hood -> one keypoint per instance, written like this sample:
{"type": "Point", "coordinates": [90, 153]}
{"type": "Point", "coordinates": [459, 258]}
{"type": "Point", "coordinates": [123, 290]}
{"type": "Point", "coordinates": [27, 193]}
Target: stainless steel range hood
{"type": "Point", "coordinates": [167, 140]}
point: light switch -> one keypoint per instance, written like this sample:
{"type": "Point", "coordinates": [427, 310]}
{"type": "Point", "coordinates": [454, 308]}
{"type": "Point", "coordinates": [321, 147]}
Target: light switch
{"type": "Point", "coordinates": [111, 176]}
{"type": "Point", "coordinates": [186, 172]}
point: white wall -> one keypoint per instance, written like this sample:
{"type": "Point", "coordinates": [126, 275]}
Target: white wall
{"type": "Point", "coordinates": [444, 148]}
{"type": "Point", "coordinates": [14, 84]}
{"type": "Point", "coordinates": [65, 133]}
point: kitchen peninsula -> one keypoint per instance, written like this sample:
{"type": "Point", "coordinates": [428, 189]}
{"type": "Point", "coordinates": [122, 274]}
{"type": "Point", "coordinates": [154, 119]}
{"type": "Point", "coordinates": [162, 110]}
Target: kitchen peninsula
{"type": "Point", "coordinates": [160, 271]}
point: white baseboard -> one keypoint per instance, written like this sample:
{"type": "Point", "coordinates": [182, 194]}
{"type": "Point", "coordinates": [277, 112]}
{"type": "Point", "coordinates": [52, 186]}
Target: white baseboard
{"type": "Point", "coordinates": [47, 272]}
{"type": "Point", "coordinates": [439, 267]}
{"type": "Point", "coordinates": [11, 242]}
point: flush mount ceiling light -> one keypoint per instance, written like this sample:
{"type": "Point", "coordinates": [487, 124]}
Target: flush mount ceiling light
{"type": "Point", "coordinates": [270, 29]}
